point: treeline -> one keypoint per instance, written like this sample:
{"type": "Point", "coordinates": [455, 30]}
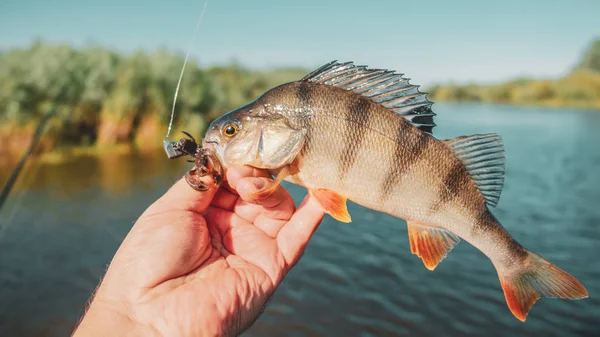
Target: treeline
{"type": "Point", "coordinates": [580, 88]}
{"type": "Point", "coordinates": [101, 97]}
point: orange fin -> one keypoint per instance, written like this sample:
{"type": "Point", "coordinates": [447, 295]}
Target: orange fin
{"type": "Point", "coordinates": [268, 189]}
{"type": "Point", "coordinates": [539, 277]}
{"type": "Point", "coordinates": [333, 204]}
{"type": "Point", "coordinates": [431, 244]}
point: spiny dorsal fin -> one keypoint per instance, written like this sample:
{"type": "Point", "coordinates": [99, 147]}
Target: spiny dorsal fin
{"type": "Point", "coordinates": [382, 86]}
{"type": "Point", "coordinates": [483, 155]}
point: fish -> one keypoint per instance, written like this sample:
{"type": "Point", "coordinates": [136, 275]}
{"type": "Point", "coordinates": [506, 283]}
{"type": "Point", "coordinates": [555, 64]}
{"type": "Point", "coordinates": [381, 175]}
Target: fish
{"type": "Point", "coordinates": [349, 132]}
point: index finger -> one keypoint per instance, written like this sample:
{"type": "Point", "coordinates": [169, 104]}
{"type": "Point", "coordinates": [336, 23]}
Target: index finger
{"type": "Point", "coordinates": [293, 238]}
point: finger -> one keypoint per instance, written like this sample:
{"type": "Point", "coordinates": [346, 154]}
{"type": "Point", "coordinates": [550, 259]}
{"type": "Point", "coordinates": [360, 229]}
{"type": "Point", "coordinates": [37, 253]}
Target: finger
{"type": "Point", "coordinates": [223, 220]}
{"type": "Point", "coordinates": [279, 205]}
{"type": "Point", "coordinates": [236, 173]}
{"type": "Point", "coordinates": [225, 199]}
{"type": "Point", "coordinates": [294, 235]}
{"type": "Point", "coordinates": [269, 226]}
{"type": "Point", "coordinates": [182, 196]}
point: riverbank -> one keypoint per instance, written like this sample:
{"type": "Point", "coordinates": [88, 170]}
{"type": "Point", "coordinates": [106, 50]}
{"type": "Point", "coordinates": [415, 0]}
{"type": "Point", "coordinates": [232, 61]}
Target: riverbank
{"type": "Point", "coordinates": [580, 89]}
{"type": "Point", "coordinates": [103, 98]}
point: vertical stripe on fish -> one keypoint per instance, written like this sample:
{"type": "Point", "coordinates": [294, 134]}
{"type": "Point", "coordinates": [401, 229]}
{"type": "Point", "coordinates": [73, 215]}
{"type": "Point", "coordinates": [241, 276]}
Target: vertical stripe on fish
{"type": "Point", "coordinates": [406, 155]}
{"type": "Point", "coordinates": [358, 114]}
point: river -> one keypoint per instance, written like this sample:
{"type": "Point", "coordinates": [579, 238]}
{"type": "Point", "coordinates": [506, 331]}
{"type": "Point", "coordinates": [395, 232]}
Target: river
{"type": "Point", "coordinates": [64, 221]}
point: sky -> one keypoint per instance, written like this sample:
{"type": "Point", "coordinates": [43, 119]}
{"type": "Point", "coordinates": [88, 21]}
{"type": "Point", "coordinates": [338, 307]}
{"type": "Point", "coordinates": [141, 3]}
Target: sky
{"type": "Point", "coordinates": [429, 41]}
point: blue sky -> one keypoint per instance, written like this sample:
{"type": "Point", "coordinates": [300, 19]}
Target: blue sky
{"type": "Point", "coordinates": [428, 41]}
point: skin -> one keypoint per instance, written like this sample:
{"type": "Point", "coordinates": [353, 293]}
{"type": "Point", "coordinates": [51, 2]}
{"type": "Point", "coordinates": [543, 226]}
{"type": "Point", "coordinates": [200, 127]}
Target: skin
{"type": "Point", "coordinates": [202, 263]}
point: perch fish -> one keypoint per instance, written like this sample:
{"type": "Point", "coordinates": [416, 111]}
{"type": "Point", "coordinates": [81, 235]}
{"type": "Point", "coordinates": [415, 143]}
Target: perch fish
{"type": "Point", "coordinates": [346, 132]}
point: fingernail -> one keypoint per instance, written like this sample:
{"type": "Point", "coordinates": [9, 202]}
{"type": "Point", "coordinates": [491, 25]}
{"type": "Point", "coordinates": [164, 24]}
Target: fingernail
{"type": "Point", "coordinates": [259, 183]}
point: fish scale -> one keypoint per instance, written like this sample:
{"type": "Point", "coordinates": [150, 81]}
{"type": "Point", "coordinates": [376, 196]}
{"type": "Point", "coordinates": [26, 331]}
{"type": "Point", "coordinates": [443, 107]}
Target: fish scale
{"type": "Point", "coordinates": [345, 132]}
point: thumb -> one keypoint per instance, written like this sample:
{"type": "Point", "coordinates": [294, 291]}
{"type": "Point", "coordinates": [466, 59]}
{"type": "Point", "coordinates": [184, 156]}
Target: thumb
{"type": "Point", "coordinates": [183, 197]}
{"type": "Point", "coordinates": [169, 240]}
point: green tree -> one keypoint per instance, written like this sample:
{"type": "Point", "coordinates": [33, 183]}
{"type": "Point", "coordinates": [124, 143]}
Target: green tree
{"type": "Point", "coordinates": [591, 58]}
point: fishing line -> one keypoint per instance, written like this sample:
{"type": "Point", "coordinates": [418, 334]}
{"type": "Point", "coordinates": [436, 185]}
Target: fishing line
{"type": "Point", "coordinates": [183, 69]}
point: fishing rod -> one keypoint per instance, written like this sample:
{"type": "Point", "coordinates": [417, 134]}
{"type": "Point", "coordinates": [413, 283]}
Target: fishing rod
{"type": "Point", "coordinates": [24, 157]}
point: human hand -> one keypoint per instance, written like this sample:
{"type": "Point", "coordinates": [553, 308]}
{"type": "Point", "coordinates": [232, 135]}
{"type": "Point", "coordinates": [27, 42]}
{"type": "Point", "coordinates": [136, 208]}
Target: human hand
{"type": "Point", "coordinates": [202, 263]}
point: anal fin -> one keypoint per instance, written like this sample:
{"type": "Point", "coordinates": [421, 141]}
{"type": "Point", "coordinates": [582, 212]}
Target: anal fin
{"type": "Point", "coordinates": [431, 244]}
{"type": "Point", "coordinates": [332, 204]}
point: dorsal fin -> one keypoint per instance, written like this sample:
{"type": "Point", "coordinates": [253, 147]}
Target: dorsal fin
{"type": "Point", "coordinates": [382, 86]}
{"type": "Point", "coordinates": [483, 156]}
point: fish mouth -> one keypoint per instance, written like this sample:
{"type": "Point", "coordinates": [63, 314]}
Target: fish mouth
{"type": "Point", "coordinates": [213, 145]}
{"type": "Point", "coordinates": [210, 144]}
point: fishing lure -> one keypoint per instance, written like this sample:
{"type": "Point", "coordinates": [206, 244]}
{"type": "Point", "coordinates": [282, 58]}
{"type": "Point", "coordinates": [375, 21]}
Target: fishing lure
{"type": "Point", "coordinates": [205, 161]}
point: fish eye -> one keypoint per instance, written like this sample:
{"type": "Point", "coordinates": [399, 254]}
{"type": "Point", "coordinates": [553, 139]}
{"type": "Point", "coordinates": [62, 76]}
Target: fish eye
{"type": "Point", "coordinates": [230, 130]}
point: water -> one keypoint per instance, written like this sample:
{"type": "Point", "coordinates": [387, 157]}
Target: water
{"type": "Point", "coordinates": [65, 221]}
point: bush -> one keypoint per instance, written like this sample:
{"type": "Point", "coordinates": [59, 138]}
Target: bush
{"type": "Point", "coordinates": [103, 97]}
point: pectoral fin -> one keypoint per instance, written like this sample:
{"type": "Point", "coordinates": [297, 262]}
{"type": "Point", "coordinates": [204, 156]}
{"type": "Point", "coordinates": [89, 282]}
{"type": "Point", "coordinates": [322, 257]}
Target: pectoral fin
{"type": "Point", "coordinates": [431, 244]}
{"type": "Point", "coordinates": [332, 204]}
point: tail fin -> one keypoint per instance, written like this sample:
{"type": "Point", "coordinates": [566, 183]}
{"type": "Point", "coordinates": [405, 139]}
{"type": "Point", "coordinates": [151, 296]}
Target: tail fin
{"type": "Point", "coordinates": [538, 277]}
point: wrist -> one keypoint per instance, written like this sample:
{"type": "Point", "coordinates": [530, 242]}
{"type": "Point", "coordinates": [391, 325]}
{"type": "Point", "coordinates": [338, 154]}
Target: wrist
{"type": "Point", "coordinates": [105, 319]}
